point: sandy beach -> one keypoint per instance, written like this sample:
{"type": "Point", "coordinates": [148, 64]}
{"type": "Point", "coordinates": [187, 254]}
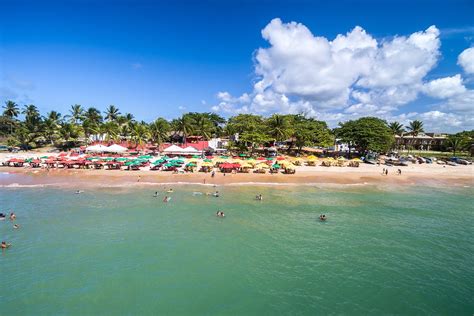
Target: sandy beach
{"type": "Point", "coordinates": [416, 174]}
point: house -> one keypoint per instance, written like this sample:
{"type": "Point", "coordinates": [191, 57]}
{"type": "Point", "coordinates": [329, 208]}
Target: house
{"type": "Point", "coordinates": [422, 141]}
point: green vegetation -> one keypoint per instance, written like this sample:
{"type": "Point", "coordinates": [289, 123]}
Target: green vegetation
{"type": "Point", "coordinates": [27, 128]}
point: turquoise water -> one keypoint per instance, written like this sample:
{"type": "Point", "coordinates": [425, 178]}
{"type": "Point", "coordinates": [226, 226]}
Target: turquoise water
{"type": "Point", "coordinates": [121, 251]}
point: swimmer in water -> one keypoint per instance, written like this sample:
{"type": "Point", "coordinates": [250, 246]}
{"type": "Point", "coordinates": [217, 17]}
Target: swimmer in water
{"type": "Point", "coordinates": [170, 190]}
{"type": "Point", "coordinates": [322, 217]}
{"type": "Point", "coordinates": [166, 199]}
{"type": "Point", "coordinates": [4, 245]}
{"type": "Point", "coordinates": [2, 216]}
{"type": "Point", "coordinates": [216, 194]}
{"type": "Point", "coordinates": [156, 194]}
{"type": "Point", "coordinates": [16, 226]}
{"type": "Point", "coordinates": [220, 214]}
{"type": "Point", "coordinates": [12, 216]}
{"type": "Point", "coordinates": [78, 192]}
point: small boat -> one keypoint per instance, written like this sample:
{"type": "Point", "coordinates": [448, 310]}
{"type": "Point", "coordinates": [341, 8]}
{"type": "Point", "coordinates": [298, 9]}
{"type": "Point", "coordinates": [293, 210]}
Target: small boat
{"type": "Point", "coordinates": [450, 163]}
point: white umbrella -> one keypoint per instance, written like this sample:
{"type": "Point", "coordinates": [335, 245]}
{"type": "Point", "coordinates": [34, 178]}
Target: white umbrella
{"type": "Point", "coordinates": [116, 149]}
{"type": "Point", "coordinates": [96, 148]}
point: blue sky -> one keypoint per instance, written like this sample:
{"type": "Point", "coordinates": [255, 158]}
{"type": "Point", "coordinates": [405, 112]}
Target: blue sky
{"type": "Point", "coordinates": [164, 58]}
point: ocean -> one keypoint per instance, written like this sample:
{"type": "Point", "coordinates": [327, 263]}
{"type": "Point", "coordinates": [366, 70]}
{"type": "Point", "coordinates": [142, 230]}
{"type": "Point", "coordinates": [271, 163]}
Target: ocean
{"type": "Point", "coordinates": [121, 251]}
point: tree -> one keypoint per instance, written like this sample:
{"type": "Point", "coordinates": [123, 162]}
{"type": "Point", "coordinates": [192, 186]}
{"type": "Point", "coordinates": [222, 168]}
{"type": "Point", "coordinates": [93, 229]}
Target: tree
{"type": "Point", "coordinates": [139, 133]}
{"type": "Point", "coordinates": [279, 127]}
{"type": "Point", "coordinates": [184, 124]}
{"type": "Point", "coordinates": [159, 130]}
{"type": "Point", "coordinates": [456, 143]}
{"type": "Point", "coordinates": [366, 134]}
{"type": "Point", "coordinates": [415, 127]}
{"type": "Point", "coordinates": [76, 113]}
{"type": "Point", "coordinates": [204, 127]}
{"type": "Point", "coordinates": [111, 130]}
{"type": "Point", "coordinates": [396, 128]}
{"type": "Point", "coordinates": [112, 113]}
{"type": "Point", "coordinates": [310, 132]}
{"type": "Point", "coordinates": [69, 134]}
{"type": "Point", "coordinates": [254, 138]}
{"type": "Point", "coordinates": [11, 111]}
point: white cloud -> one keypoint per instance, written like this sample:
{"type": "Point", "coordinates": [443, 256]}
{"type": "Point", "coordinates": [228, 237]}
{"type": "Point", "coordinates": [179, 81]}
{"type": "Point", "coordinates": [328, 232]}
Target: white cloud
{"type": "Point", "coordinates": [350, 76]}
{"type": "Point", "coordinates": [181, 108]}
{"type": "Point", "coordinates": [466, 60]}
{"type": "Point", "coordinates": [445, 87]}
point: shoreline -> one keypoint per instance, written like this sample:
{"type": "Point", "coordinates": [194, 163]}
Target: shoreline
{"type": "Point", "coordinates": [422, 175]}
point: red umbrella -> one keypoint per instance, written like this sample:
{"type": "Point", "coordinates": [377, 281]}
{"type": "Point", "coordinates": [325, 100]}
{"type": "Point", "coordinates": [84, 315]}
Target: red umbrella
{"type": "Point", "coordinates": [280, 158]}
{"type": "Point", "coordinates": [261, 158]}
{"type": "Point", "coordinates": [63, 154]}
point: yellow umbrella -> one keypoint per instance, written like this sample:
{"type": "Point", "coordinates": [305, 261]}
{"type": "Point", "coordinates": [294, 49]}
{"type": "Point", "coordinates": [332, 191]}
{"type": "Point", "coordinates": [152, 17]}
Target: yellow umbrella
{"type": "Point", "coordinates": [290, 166]}
{"type": "Point", "coordinates": [341, 158]}
{"type": "Point", "coordinates": [246, 165]}
{"type": "Point", "coordinates": [312, 157]}
{"type": "Point", "coordinates": [207, 164]}
{"type": "Point", "coordinates": [356, 159]}
{"type": "Point", "coordinates": [262, 166]}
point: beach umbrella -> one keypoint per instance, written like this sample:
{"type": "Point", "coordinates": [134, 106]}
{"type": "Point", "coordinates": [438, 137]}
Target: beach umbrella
{"type": "Point", "coordinates": [116, 149]}
{"type": "Point", "coordinates": [191, 164]}
{"type": "Point", "coordinates": [260, 158]}
{"type": "Point", "coordinates": [121, 159]}
{"type": "Point", "coordinates": [270, 159]}
{"type": "Point", "coordinates": [341, 158]}
{"type": "Point", "coordinates": [246, 165]}
{"type": "Point", "coordinates": [280, 158]}
{"type": "Point", "coordinates": [262, 166]}
{"type": "Point", "coordinates": [276, 166]}
{"type": "Point", "coordinates": [312, 158]}
{"type": "Point", "coordinates": [207, 164]}
{"type": "Point", "coordinates": [196, 156]}
{"type": "Point", "coordinates": [145, 157]}
{"type": "Point", "coordinates": [207, 160]}
{"type": "Point", "coordinates": [44, 157]}
{"type": "Point", "coordinates": [356, 159]}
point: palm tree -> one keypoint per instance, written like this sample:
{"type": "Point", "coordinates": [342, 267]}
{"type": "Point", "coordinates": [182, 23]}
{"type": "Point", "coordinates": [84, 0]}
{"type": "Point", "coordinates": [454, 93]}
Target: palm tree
{"type": "Point", "coordinates": [396, 128]}
{"type": "Point", "coordinates": [69, 133]}
{"type": "Point", "coordinates": [93, 115]}
{"type": "Point", "coordinates": [279, 127]}
{"type": "Point", "coordinates": [11, 109]}
{"type": "Point", "coordinates": [456, 143]}
{"type": "Point", "coordinates": [185, 125]}
{"type": "Point", "coordinates": [112, 113]}
{"type": "Point", "coordinates": [11, 112]}
{"type": "Point", "coordinates": [415, 127]}
{"type": "Point", "coordinates": [139, 133]}
{"type": "Point", "coordinates": [111, 130]}
{"type": "Point", "coordinates": [51, 130]}
{"type": "Point", "coordinates": [32, 115]}
{"type": "Point", "coordinates": [203, 127]}
{"type": "Point", "coordinates": [76, 113]}
{"type": "Point", "coordinates": [159, 131]}
{"type": "Point", "coordinates": [54, 116]}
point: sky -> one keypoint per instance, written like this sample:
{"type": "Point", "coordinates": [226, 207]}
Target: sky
{"type": "Point", "coordinates": [333, 60]}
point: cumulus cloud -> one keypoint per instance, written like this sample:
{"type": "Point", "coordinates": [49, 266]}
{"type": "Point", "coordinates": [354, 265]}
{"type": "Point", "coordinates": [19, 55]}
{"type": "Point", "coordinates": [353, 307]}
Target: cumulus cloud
{"type": "Point", "coordinates": [350, 76]}
{"type": "Point", "coordinates": [445, 87]}
{"type": "Point", "coordinates": [466, 60]}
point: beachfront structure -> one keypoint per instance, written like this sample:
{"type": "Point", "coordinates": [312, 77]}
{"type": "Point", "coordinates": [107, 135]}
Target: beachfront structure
{"type": "Point", "coordinates": [422, 141]}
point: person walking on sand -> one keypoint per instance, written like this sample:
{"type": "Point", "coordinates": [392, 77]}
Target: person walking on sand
{"type": "Point", "coordinates": [138, 180]}
{"type": "Point", "coordinates": [399, 172]}
{"type": "Point", "coordinates": [386, 172]}
{"type": "Point", "coordinates": [383, 171]}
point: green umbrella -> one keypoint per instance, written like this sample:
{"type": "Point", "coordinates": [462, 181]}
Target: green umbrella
{"type": "Point", "coordinates": [196, 156]}
{"type": "Point", "coordinates": [145, 157]}
{"type": "Point", "coordinates": [276, 166]}
{"type": "Point", "coordinates": [191, 164]}
{"type": "Point", "coordinates": [29, 160]}
{"type": "Point", "coordinates": [108, 159]}
{"type": "Point", "coordinates": [44, 157]}
{"type": "Point", "coordinates": [224, 157]}
{"type": "Point", "coordinates": [207, 160]}
{"type": "Point", "coordinates": [269, 158]}
{"type": "Point", "coordinates": [120, 159]}
{"type": "Point", "coordinates": [242, 155]}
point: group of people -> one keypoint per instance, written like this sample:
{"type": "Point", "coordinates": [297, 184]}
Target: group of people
{"type": "Point", "coordinates": [220, 214]}
{"type": "Point", "coordinates": [12, 216]}
{"type": "Point", "coordinates": [385, 171]}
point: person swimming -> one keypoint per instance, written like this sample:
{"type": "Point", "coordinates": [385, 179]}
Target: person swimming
{"type": "Point", "coordinates": [78, 192]}
{"type": "Point", "coordinates": [16, 226]}
{"type": "Point", "coordinates": [322, 217]}
{"type": "Point", "coordinates": [12, 216]}
{"type": "Point", "coordinates": [216, 194]}
{"type": "Point", "coordinates": [259, 197]}
{"type": "Point", "coordinates": [170, 191]}
{"type": "Point", "coordinates": [166, 199]}
{"type": "Point", "coordinates": [156, 194]}
{"type": "Point", "coordinates": [2, 216]}
{"type": "Point", "coordinates": [220, 214]}
{"type": "Point", "coordinates": [4, 245]}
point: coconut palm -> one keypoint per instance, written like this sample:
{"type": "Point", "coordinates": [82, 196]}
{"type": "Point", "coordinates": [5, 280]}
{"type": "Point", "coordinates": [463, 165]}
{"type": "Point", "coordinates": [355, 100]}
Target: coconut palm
{"type": "Point", "coordinates": [11, 111]}
{"type": "Point", "coordinates": [396, 128]}
{"type": "Point", "coordinates": [279, 127]}
{"type": "Point", "coordinates": [184, 124]}
{"type": "Point", "coordinates": [93, 115]}
{"type": "Point", "coordinates": [111, 130]}
{"type": "Point", "coordinates": [32, 115]}
{"type": "Point", "coordinates": [415, 127]}
{"type": "Point", "coordinates": [203, 127]}
{"type": "Point", "coordinates": [159, 131]}
{"type": "Point", "coordinates": [139, 133]}
{"type": "Point", "coordinates": [112, 113]}
{"type": "Point", "coordinates": [76, 113]}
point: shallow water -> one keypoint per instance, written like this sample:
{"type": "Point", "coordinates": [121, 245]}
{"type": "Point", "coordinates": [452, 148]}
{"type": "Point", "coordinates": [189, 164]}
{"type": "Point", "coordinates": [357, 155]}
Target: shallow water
{"type": "Point", "coordinates": [122, 251]}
